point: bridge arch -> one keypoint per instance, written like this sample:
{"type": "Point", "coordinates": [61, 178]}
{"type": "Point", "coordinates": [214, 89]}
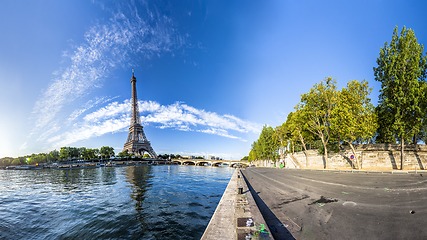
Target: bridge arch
{"type": "Point", "coordinates": [236, 164]}
{"type": "Point", "coordinates": [188, 163]}
{"type": "Point", "coordinates": [202, 163]}
{"type": "Point", "coordinates": [216, 164]}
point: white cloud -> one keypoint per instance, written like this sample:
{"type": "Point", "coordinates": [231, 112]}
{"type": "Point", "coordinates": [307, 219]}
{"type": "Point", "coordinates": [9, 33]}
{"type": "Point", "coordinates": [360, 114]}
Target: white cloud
{"type": "Point", "coordinates": [115, 117]}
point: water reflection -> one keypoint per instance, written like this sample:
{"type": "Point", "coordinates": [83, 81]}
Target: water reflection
{"type": "Point", "coordinates": [131, 202]}
{"type": "Point", "coordinates": [139, 178]}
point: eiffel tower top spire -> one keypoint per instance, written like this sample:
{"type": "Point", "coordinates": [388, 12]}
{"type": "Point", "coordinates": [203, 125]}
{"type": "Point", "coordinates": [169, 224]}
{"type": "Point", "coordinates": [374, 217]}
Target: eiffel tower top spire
{"type": "Point", "coordinates": [134, 101]}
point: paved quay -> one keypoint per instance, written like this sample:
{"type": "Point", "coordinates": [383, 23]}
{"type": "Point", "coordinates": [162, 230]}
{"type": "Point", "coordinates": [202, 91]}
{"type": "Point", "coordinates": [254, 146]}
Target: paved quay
{"type": "Point", "coordinates": [299, 204]}
{"type": "Point", "coordinates": [237, 215]}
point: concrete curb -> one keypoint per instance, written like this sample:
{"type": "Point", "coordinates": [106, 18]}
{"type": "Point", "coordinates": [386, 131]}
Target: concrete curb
{"type": "Point", "coordinates": [358, 171]}
{"type": "Point", "coordinates": [237, 215]}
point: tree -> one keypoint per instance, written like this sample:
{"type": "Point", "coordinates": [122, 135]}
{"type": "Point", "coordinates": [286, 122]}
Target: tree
{"type": "Point", "coordinates": [22, 160]}
{"type": "Point", "coordinates": [96, 152]}
{"type": "Point", "coordinates": [245, 158]}
{"type": "Point", "coordinates": [123, 154]}
{"type": "Point", "coordinates": [354, 116]}
{"type": "Point", "coordinates": [384, 132]}
{"type": "Point", "coordinates": [281, 137]}
{"type": "Point", "coordinates": [6, 162]}
{"type": "Point", "coordinates": [402, 71]}
{"type": "Point", "coordinates": [16, 162]}
{"type": "Point", "coordinates": [107, 152]}
{"type": "Point", "coordinates": [266, 146]}
{"type": "Point", "coordinates": [53, 155]}
{"type": "Point", "coordinates": [251, 156]}
{"type": "Point", "coordinates": [146, 155]}
{"type": "Point", "coordinates": [83, 153]}
{"type": "Point", "coordinates": [64, 153]}
{"type": "Point", "coordinates": [74, 152]}
{"type": "Point", "coordinates": [298, 129]}
{"type": "Point", "coordinates": [317, 106]}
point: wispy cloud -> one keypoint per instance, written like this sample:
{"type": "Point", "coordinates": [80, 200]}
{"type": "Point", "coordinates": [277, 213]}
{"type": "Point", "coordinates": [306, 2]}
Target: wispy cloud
{"type": "Point", "coordinates": [115, 117]}
{"type": "Point", "coordinates": [90, 104]}
{"type": "Point", "coordinates": [106, 46]}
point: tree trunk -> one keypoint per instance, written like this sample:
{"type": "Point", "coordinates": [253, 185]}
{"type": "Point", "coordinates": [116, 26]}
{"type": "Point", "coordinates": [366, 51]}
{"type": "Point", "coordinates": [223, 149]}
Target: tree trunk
{"type": "Point", "coordinates": [305, 150]}
{"type": "Point", "coordinates": [293, 148]}
{"type": "Point", "coordinates": [354, 154]}
{"type": "Point", "coordinates": [326, 153]}
{"type": "Point", "coordinates": [402, 144]}
{"type": "Point", "coordinates": [414, 141]}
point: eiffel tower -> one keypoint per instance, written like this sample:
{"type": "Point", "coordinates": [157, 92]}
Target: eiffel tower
{"type": "Point", "coordinates": [137, 142]}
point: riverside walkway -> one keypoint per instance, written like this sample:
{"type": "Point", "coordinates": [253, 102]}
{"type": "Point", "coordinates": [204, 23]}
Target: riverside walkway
{"type": "Point", "coordinates": [337, 205]}
{"type": "Point", "coordinates": [237, 215]}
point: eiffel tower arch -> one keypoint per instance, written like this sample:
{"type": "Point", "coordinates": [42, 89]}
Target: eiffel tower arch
{"type": "Point", "coordinates": [137, 142]}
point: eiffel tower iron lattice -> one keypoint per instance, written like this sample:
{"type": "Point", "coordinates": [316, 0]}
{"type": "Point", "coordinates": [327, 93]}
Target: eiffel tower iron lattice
{"type": "Point", "coordinates": [137, 142]}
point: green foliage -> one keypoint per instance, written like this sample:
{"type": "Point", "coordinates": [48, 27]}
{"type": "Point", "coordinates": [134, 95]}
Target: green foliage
{"type": "Point", "coordinates": [16, 162]}
{"type": "Point", "coordinates": [384, 132]}
{"type": "Point", "coordinates": [83, 153]}
{"type": "Point", "coordinates": [281, 137]}
{"type": "Point", "coordinates": [5, 162]}
{"type": "Point", "coordinates": [37, 159]}
{"type": "Point", "coordinates": [53, 156]}
{"type": "Point", "coordinates": [353, 117]}
{"type": "Point", "coordinates": [123, 154]}
{"type": "Point", "coordinates": [251, 156]}
{"type": "Point", "coordinates": [22, 160]}
{"type": "Point", "coordinates": [266, 146]}
{"type": "Point", "coordinates": [107, 152]}
{"type": "Point", "coordinates": [146, 156]}
{"type": "Point", "coordinates": [401, 71]}
{"type": "Point", "coordinates": [64, 153]}
{"type": "Point", "coordinates": [245, 158]}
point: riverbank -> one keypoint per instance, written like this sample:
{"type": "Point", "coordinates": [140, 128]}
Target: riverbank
{"type": "Point", "coordinates": [237, 215]}
{"type": "Point", "coordinates": [81, 164]}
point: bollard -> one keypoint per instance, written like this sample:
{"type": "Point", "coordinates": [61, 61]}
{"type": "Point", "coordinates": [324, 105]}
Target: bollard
{"type": "Point", "coordinates": [240, 190]}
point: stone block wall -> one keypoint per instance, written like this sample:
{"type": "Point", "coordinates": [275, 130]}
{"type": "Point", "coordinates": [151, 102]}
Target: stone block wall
{"type": "Point", "coordinates": [370, 156]}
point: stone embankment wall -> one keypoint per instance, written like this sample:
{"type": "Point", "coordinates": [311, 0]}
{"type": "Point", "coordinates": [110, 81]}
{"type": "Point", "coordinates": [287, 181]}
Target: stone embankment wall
{"type": "Point", "coordinates": [370, 156]}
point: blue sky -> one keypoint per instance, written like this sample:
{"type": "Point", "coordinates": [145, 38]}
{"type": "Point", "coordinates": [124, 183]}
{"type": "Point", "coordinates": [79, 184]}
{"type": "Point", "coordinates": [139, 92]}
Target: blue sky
{"type": "Point", "coordinates": [209, 74]}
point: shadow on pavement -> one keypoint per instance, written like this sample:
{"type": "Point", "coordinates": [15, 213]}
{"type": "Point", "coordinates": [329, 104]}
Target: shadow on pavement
{"type": "Point", "coordinates": [278, 230]}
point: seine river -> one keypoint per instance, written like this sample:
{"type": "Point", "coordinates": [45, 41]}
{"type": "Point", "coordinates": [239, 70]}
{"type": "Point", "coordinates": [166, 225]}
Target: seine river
{"type": "Point", "coordinates": [133, 202]}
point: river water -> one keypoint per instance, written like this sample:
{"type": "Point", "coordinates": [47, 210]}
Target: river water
{"type": "Point", "coordinates": [132, 202]}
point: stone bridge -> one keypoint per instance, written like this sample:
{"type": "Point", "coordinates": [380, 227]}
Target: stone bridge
{"type": "Point", "coordinates": [205, 162]}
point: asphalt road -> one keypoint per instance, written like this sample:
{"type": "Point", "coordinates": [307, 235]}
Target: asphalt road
{"type": "Point", "coordinates": [300, 204]}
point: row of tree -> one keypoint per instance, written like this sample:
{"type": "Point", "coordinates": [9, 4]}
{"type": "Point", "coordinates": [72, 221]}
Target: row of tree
{"type": "Point", "coordinates": [65, 153]}
{"type": "Point", "coordinates": [326, 118]}
{"type": "Point", "coordinates": [71, 153]}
